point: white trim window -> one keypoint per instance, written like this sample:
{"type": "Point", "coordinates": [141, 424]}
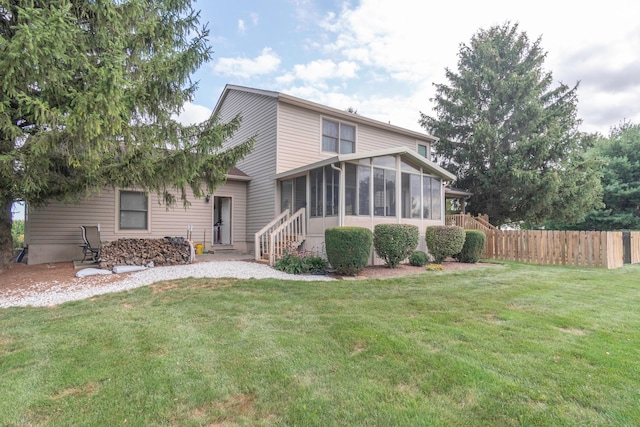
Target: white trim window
{"type": "Point", "coordinates": [134, 210]}
{"type": "Point", "coordinates": [338, 137]}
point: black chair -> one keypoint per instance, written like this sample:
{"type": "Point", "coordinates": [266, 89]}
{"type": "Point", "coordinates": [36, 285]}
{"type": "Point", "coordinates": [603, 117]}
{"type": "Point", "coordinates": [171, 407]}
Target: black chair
{"type": "Point", "coordinates": [91, 239]}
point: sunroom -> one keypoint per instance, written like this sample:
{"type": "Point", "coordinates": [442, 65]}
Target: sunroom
{"type": "Point", "coordinates": [364, 189]}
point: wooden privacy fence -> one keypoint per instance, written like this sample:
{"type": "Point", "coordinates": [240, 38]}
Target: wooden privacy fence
{"type": "Point", "coordinates": [602, 249]}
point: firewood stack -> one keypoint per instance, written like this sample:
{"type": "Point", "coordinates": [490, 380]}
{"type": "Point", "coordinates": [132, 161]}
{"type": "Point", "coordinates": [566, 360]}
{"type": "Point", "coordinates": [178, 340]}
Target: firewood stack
{"type": "Point", "coordinates": [167, 251]}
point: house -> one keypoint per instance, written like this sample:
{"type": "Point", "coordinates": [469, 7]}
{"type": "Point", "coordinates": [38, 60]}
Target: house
{"type": "Point", "coordinates": [312, 167]}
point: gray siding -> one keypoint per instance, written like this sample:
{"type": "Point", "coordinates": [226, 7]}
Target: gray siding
{"type": "Point", "coordinates": [300, 137]}
{"type": "Point", "coordinates": [259, 115]}
{"type": "Point", "coordinates": [372, 139]}
{"type": "Point", "coordinates": [54, 233]}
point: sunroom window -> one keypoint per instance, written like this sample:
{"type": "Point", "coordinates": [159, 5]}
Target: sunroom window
{"type": "Point", "coordinates": [324, 192]}
{"type": "Point", "coordinates": [316, 181]}
{"type": "Point", "coordinates": [431, 193]}
{"type": "Point", "coordinates": [357, 182]}
{"type": "Point", "coordinates": [411, 196]}
{"type": "Point", "coordinates": [332, 190]}
{"type": "Point", "coordinates": [384, 192]}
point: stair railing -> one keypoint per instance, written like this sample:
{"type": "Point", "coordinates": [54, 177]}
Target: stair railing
{"type": "Point", "coordinates": [288, 235]}
{"type": "Point", "coordinates": [468, 222]}
{"type": "Point", "coordinates": [262, 238]}
{"type": "Point", "coordinates": [284, 232]}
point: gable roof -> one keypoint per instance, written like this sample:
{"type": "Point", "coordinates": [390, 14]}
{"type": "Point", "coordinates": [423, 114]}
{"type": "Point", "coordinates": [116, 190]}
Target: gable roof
{"type": "Point", "coordinates": [404, 153]}
{"type": "Point", "coordinates": [323, 109]}
{"type": "Point", "coordinates": [235, 174]}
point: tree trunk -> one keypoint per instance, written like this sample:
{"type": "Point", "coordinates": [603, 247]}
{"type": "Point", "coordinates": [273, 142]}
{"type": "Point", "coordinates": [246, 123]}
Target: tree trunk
{"type": "Point", "coordinates": [6, 240]}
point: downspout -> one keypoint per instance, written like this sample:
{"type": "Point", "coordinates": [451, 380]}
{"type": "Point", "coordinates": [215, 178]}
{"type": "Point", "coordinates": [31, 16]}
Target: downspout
{"type": "Point", "coordinates": [341, 188]}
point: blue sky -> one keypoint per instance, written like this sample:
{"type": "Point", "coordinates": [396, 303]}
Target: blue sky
{"type": "Point", "coordinates": [382, 57]}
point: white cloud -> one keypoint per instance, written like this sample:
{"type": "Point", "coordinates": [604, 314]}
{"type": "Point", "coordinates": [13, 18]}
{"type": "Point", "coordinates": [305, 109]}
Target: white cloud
{"type": "Point", "coordinates": [266, 62]}
{"type": "Point", "coordinates": [325, 69]}
{"type": "Point", "coordinates": [241, 26]}
{"type": "Point", "coordinates": [305, 12]}
{"type": "Point", "coordinates": [383, 57]}
{"type": "Point", "coordinates": [399, 110]}
{"type": "Point", "coordinates": [193, 114]}
{"type": "Point", "coordinates": [412, 46]}
{"type": "Point", "coordinates": [383, 35]}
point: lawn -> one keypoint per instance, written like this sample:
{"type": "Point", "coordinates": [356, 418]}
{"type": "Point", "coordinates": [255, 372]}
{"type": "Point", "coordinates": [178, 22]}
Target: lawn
{"type": "Point", "coordinates": [507, 345]}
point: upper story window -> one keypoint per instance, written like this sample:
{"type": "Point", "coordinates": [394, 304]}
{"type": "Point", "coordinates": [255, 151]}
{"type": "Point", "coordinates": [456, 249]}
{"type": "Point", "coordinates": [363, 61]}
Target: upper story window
{"type": "Point", "coordinates": [133, 210]}
{"type": "Point", "coordinates": [423, 151]}
{"type": "Point", "coordinates": [338, 137]}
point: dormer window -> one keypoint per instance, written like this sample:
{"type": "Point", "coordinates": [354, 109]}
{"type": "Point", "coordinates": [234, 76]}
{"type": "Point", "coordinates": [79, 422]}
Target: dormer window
{"type": "Point", "coordinates": [338, 137]}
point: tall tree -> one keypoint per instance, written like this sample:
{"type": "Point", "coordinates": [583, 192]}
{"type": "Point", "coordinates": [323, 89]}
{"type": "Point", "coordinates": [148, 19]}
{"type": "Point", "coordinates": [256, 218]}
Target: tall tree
{"type": "Point", "coordinates": [88, 90]}
{"type": "Point", "coordinates": [620, 153]}
{"type": "Point", "coordinates": [509, 136]}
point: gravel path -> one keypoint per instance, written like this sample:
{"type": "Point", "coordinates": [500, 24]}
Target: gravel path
{"type": "Point", "coordinates": [78, 289]}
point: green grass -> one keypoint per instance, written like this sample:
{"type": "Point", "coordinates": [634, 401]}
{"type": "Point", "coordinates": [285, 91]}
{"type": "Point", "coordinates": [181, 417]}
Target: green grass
{"type": "Point", "coordinates": [510, 345]}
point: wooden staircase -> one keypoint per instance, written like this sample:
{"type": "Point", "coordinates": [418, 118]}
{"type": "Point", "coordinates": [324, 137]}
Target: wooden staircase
{"type": "Point", "coordinates": [466, 221]}
{"type": "Point", "coordinates": [286, 232]}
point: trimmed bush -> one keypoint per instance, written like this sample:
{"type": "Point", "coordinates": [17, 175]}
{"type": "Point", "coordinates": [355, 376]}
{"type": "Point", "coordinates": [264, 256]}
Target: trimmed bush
{"type": "Point", "coordinates": [473, 247]}
{"type": "Point", "coordinates": [444, 241]}
{"type": "Point", "coordinates": [418, 259]}
{"type": "Point", "coordinates": [348, 248]}
{"type": "Point", "coordinates": [395, 242]}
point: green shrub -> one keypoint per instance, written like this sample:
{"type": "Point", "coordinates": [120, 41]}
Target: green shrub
{"type": "Point", "coordinates": [316, 264]}
{"type": "Point", "coordinates": [473, 247]}
{"type": "Point", "coordinates": [395, 242]}
{"type": "Point", "coordinates": [300, 262]}
{"type": "Point", "coordinates": [444, 241]}
{"type": "Point", "coordinates": [418, 259]}
{"type": "Point", "coordinates": [348, 248]}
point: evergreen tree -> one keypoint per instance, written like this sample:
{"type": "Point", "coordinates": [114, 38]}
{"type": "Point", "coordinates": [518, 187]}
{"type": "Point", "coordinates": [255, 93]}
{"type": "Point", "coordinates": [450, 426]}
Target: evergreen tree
{"type": "Point", "coordinates": [620, 153]}
{"type": "Point", "coordinates": [88, 90]}
{"type": "Point", "coordinates": [509, 136]}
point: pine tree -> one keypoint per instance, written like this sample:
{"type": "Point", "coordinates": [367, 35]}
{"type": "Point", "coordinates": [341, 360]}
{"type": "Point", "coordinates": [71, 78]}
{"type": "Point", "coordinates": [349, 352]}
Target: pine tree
{"type": "Point", "coordinates": [509, 136]}
{"type": "Point", "coordinates": [88, 90]}
{"type": "Point", "coordinates": [620, 153]}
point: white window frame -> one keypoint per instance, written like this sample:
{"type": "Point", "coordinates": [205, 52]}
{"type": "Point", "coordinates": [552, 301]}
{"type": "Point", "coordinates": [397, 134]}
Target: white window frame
{"type": "Point", "coordinates": [340, 139]}
{"type": "Point", "coordinates": [147, 226]}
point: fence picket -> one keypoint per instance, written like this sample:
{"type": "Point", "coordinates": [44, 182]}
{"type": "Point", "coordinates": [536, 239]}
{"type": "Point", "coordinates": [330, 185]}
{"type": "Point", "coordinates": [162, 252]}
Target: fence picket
{"type": "Point", "coordinates": [574, 248]}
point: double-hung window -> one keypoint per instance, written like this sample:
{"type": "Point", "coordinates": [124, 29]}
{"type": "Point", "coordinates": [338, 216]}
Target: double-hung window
{"type": "Point", "coordinates": [133, 210]}
{"type": "Point", "coordinates": [338, 137]}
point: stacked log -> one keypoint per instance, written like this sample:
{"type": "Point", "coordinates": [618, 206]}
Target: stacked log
{"type": "Point", "coordinates": [145, 252]}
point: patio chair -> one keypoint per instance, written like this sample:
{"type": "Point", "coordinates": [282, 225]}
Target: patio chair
{"type": "Point", "coordinates": [91, 239]}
